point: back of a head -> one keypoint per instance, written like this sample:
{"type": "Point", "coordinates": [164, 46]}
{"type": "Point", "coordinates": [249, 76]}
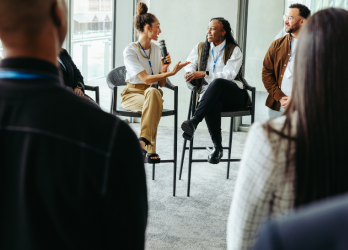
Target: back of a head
{"type": "Point", "coordinates": [319, 97]}
{"type": "Point", "coordinates": [143, 17]}
{"type": "Point", "coordinates": [22, 23]}
{"type": "Point", "coordinates": [23, 15]}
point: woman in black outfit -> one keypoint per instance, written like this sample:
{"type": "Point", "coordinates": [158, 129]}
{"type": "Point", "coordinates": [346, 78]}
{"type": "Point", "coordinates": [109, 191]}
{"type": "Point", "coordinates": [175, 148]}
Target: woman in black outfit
{"type": "Point", "coordinates": [215, 66]}
{"type": "Point", "coordinates": [71, 74]}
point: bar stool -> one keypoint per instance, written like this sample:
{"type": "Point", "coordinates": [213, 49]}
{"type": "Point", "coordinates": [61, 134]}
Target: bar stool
{"type": "Point", "coordinates": [117, 78]}
{"type": "Point", "coordinates": [249, 111]}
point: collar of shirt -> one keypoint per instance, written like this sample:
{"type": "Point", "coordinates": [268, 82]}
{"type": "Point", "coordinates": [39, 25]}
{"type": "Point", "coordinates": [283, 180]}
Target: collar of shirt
{"type": "Point", "coordinates": [30, 64]}
{"type": "Point", "coordinates": [217, 48]}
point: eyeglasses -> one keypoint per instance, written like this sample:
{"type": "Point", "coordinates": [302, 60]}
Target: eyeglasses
{"type": "Point", "coordinates": [289, 18]}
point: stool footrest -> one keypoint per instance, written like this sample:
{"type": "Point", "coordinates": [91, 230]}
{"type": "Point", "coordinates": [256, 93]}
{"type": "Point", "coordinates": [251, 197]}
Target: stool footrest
{"type": "Point", "coordinates": [165, 161]}
{"type": "Point", "coordinates": [222, 160]}
{"type": "Point", "coordinates": [200, 148]}
{"type": "Point", "coordinates": [162, 161]}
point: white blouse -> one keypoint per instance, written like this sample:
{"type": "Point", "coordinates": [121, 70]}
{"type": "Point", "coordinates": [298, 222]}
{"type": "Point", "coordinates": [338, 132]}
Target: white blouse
{"type": "Point", "coordinates": [136, 63]}
{"type": "Point", "coordinates": [228, 71]}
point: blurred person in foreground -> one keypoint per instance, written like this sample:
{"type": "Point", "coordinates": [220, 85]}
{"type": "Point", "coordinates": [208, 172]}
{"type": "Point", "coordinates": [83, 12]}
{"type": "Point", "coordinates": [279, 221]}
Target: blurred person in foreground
{"type": "Point", "coordinates": [319, 226]}
{"type": "Point", "coordinates": [62, 186]}
{"type": "Point", "coordinates": [301, 156]}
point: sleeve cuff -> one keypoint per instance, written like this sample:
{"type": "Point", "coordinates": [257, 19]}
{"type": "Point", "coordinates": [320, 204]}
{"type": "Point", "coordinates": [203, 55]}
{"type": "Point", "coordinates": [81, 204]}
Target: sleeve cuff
{"type": "Point", "coordinates": [209, 77]}
{"type": "Point", "coordinates": [279, 95]}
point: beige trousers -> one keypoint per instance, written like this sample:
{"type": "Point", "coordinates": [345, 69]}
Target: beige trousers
{"type": "Point", "coordinates": [147, 101]}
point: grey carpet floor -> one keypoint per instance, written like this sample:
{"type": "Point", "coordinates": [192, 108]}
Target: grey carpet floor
{"type": "Point", "coordinates": [199, 221]}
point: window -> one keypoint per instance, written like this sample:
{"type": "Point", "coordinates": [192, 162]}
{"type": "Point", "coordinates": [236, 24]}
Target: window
{"type": "Point", "coordinates": [91, 35]}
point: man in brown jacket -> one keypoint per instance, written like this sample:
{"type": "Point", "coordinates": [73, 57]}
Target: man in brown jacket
{"type": "Point", "coordinates": [278, 64]}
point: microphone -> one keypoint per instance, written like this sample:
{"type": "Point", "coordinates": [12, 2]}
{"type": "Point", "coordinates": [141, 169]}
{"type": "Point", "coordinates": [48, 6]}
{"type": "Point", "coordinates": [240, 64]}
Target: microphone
{"type": "Point", "coordinates": [163, 50]}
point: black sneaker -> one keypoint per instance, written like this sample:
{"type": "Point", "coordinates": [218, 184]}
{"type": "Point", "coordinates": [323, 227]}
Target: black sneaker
{"type": "Point", "coordinates": [188, 127]}
{"type": "Point", "coordinates": [215, 156]}
{"type": "Point", "coordinates": [187, 136]}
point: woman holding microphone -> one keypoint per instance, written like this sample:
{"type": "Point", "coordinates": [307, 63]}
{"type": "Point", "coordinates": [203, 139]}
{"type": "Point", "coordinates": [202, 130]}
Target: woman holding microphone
{"type": "Point", "coordinates": [145, 72]}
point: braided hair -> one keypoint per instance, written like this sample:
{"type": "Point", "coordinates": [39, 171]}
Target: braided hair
{"type": "Point", "coordinates": [229, 39]}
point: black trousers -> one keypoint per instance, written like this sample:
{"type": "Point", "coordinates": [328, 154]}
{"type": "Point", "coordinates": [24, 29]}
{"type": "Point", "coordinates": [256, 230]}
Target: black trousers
{"type": "Point", "coordinates": [221, 96]}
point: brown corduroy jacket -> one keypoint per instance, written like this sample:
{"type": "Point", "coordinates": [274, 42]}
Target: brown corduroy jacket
{"type": "Point", "coordinates": [274, 65]}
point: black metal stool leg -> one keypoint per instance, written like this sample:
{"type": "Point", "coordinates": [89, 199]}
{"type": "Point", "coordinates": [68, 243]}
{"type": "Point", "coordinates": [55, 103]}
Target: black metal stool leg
{"type": "Point", "coordinates": [189, 168]}
{"type": "Point", "coordinates": [153, 171]}
{"type": "Point", "coordinates": [185, 141]}
{"type": "Point", "coordinates": [175, 150]}
{"type": "Point", "coordinates": [182, 158]}
{"type": "Point", "coordinates": [112, 102]}
{"type": "Point", "coordinates": [229, 148]}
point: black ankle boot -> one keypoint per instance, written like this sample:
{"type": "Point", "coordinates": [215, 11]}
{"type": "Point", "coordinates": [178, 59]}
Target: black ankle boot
{"type": "Point", "coordinates": [215, 156]}
{"type": "Point", "coordinates": [189, 128]}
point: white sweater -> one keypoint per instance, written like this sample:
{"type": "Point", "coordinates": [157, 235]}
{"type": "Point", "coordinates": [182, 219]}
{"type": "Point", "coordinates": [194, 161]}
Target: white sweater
{"type": "Point", "coordinates": [263, 188]}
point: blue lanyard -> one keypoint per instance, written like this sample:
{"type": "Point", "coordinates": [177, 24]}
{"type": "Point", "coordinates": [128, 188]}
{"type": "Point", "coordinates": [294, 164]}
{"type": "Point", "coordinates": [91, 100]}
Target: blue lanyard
{"type": "Point", "coordinates": [148, 56]}
{"type": "Point", "coordinates": [291, 53]}
{"type": "Point", "coordinates": [7, 74]}
{"type": "Point", "coordinates": [60, 60]}
{"type": "Point", "coordinates": [212, 51]}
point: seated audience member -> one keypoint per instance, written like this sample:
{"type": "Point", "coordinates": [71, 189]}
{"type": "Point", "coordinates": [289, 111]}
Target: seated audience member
{"type": "Point", "coordinates": [300, 157]}
{"type": "Point", "coordinates": [145, 72]}
{"type": "Point", "coordinates": [68, 179]}
{"type": "Point", "coordinates": [278, 65]}
{"type": "Point", "coordinates": [71, 74]}
{"type": "Point", "coordinates": [321, 226]}
{"type": "Point", "coordinates": [215, 65]}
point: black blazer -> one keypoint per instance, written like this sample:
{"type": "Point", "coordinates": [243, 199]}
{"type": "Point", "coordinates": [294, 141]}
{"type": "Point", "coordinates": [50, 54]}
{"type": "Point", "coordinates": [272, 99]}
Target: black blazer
{"type": "Point", "coordinates": [321, 226]}
{"type": "Point", "coordinates": [71, 75]}
{"type": "Point", "coordinates": [66, 181]}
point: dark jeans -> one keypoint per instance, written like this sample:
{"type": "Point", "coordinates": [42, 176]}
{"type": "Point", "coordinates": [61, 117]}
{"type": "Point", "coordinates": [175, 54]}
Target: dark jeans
{"type": "Point", "coordinates": [221, 95]}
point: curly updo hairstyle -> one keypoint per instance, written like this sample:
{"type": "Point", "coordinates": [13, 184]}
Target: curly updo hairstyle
{"type": "Point", "coordinates": [229, 39]}
{"type": "Point", "coordinates": [143, 18]}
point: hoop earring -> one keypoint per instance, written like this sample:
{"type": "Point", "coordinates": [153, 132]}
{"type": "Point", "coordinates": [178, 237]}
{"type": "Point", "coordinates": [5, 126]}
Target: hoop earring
{"type": "Point", "coordinates": [220, 37]}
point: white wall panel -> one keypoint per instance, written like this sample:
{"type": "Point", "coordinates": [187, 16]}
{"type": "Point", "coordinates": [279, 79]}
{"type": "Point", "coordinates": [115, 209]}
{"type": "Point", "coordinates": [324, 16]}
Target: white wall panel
{"type": "Point", "coordinates": [124, 28]}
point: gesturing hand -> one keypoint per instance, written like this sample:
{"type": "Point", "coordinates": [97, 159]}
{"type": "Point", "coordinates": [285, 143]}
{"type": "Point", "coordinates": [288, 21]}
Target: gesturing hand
{"type": "Point", "coordinates": [78, 91]}
{"type": "Point", "coordinates": [195, 75]}
{"type": "Point", "coordinates": [179, 66]}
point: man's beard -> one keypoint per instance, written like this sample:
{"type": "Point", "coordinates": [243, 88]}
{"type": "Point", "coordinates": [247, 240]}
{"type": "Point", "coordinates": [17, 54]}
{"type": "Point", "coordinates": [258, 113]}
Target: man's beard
{"type": "Point", "coordinates": [292, 29]}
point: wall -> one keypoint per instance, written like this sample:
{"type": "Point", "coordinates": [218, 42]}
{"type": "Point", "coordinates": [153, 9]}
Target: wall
{"type": "Point", "coordinates": [184, 24]}
{"type": "Point", "coordinates": [265, 24]}
{"type": "Point", "coordinates": [124, 28]}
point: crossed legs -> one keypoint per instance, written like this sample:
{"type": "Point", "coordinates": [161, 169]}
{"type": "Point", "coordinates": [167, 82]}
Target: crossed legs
{"type": "Point", "coordinates": [149, 103]}
{"type": "Point", "coordinates": [221, 95]}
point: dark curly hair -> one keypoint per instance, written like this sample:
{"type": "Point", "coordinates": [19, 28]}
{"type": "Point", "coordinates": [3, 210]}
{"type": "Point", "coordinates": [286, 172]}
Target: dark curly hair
{"type": "Point", "coordinates": [143, 18]}
{"type": "Point", "coordinates": [229, 39]}
{"type": "Point", "coordinates": [304, 11]}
